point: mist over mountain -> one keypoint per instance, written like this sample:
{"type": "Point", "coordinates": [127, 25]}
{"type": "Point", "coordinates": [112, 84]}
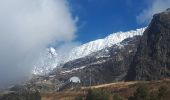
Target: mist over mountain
{"type": "Point", "coordinates": [27, 27]}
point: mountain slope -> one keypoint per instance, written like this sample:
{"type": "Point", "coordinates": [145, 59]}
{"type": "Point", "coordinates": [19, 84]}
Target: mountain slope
{"type": "Point", "coordinates": [104, 66]}
{"type": "Point", "coordinates": [99, 44]}
{"type": "Point", "coordinates": [152, 60]}
{"type": "Point", "coordinates": [47, 62]}
{"type": "Point", "coordinates": [51, 59]}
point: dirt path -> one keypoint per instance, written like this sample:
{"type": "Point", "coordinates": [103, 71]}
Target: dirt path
{"type": "Point", "coordinates": [117, 84]}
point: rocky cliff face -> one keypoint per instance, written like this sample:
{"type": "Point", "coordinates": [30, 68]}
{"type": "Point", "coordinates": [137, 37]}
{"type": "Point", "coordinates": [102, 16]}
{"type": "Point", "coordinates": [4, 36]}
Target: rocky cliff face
{"type": "Point", "coordinates": [152, 60]}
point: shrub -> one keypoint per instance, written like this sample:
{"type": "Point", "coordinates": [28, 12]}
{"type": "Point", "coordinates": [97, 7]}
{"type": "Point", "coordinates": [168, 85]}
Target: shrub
{"type": "Point", "coordinates": [141, 93]}
{"type": "Point", "coordinates": [162, 92]}
{"type": "Point", "coordinates": [98, 94]}
{"type": "Point", "coordinates": [154, 95]}
{"type": "Point", "coordinates": [79, 98]}
{"type": "Point", "coordinates": [89, 95]}
{"type": "Point", "coordinates": [117, 97]}
{"type": "Point", "coordinates": [22, 95]}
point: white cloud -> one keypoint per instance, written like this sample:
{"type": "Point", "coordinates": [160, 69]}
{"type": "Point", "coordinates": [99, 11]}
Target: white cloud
{"type": "Point", "coordinates": [27, 27]}
{"type": "Point", "coordinates": [155, 7]}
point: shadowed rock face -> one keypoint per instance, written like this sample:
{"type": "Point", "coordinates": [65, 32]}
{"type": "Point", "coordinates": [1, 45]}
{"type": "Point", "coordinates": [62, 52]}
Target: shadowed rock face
{"type": "Point", "coordinates": [152, 60]}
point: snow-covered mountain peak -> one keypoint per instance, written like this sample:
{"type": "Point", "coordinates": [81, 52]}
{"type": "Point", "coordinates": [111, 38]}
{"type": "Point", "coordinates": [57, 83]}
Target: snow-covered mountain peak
{"type": "Point", "coordinates": [51, 59]}
{"type": "Point", "coordinates": [47, 61]}
{"type": "Point", "coordinates": [99, 44]}
{"type": "Point", "coordinates": [52, 51]}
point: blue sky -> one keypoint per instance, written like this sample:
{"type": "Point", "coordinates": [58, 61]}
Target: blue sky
{"type": "Point", "coordinates": [99, 18]}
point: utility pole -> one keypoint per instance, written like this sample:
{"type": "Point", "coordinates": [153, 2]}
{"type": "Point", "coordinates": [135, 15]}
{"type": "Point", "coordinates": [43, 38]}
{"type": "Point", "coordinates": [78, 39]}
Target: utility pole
{"type": "Point", "coordinates": [90, 78]}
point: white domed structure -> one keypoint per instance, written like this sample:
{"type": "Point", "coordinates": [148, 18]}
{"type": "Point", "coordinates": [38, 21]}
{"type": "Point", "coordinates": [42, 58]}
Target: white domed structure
{"type": "Point", "coordinates": [75, 79]}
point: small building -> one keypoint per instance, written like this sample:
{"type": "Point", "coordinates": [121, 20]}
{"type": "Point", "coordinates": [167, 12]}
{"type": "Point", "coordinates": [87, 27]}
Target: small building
{"type": "Point", "coordinates": [75, 79]}
{"type": "Point", "coordinates": [73, 83]}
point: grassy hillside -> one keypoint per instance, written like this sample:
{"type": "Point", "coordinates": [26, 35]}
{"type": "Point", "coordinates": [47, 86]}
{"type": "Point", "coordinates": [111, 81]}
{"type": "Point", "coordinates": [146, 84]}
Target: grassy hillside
{"type": "Point", "coordinates": [124, 90]}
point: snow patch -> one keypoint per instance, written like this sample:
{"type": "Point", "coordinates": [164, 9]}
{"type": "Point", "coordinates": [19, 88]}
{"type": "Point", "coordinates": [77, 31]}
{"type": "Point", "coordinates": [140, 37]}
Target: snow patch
{"type": "Point", "coordinates": [74, 69]}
